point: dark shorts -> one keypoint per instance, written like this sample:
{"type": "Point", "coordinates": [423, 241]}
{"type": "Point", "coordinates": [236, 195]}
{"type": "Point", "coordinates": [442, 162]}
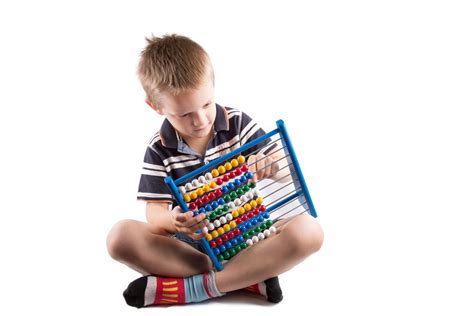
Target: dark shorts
{"type": "Point", "coordinates": [196, 244]}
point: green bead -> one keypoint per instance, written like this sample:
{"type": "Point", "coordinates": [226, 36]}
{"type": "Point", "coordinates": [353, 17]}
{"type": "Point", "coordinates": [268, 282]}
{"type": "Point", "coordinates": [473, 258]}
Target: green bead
{"type": "Point", "coordinates": [220, 258]}
{"type": "Point", "coordinates": [213, 215]}
{"type": "Point", "coordinates": [252, 185]}
{"type": "Point", "coordinates": [240, 191]}
{"type": "Point", "coordinates": [237, 248]}
{"type": "Point", "coordinates": [263, 226]}
{"type": "Point", "coordinates": [233, 195]}
{"type": "Point", "coordinates": [243, 245]}
{"type": "Point", "coordinates": [219, 211]}
{"type": "Point", "coordinates": [225, 208]}
{"type": "Point", "coordinates": [227, 198]}
{"type": "Point", "coordinates": [269, 222]}
{"type": "Point", "coordinates": [226, 255]}
{"type": "Point", "coordinates": [232, 252]}
{"type": "Point", "coordinates": [246, 188]}
{"type": "Point", "coordinates": [256, 230]}
{"type": "Point", "coordinates": [246, 235]}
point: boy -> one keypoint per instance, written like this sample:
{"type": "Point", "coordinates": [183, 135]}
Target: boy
{"type": "Point", "coordinates": [178, 78]}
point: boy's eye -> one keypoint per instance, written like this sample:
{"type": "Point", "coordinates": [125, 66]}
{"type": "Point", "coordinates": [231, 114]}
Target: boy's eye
{"type": "Point", "coordinates": [184, 115]}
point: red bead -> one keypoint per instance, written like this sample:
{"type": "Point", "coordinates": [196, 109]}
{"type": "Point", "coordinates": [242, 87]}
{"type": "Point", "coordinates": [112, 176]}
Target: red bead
{"type": "Point", "coordinates": [231, 235]}
{"type": "Point", "coordinates": [218, 192]}
{"type": "Point", "coordinates": [244, 168]}
{"type": "Point", "coordinates": [192, 206]}
{"type": "Point", "coordinates": [250, 214]}
{"type": "Point", "coordinates": [198, 202]}
{"type": "Point", "coordinates": [236, 231]}
{"type": "Point", "coordinates": [213, 244]}
{"type": "Point", "coordinates": [224, 237]}
{"type": "Point", "coordinates": [244, 217]}
{"type": "Point", "coordinates": [225, 178]}
{"type": "Point", "coordinates": [219, 241]}
{"type": "Point", "coordinates": [238, 171]}
{"type": "Point", "coordinates": [211, 196]}
{"type": "Point", "coordinates": [238, 221]}
{"type": "Point", "coordinates": [205, 199]}
{"type": "Point", "coordinates": [219, 181]}
{"type": "Point", "coordinates": [262, 208]}
{"type": "Point", "coordinates": [232, 174]}
{"type": "Point", "coordinates": [256, 211]}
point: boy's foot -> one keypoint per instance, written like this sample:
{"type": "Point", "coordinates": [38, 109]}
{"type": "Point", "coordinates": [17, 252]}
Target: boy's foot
{"type": "Point", "coordinates": [153, 290]}
{"type": "Point", "coordinates": [269, 288]}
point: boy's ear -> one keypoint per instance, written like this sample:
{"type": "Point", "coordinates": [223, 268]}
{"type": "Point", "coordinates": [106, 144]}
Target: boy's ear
{"type": "Point", "coordinates": [154, 107]}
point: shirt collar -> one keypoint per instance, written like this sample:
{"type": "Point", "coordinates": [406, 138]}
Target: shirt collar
{"type": "Point", "coordinates": [171, 139]}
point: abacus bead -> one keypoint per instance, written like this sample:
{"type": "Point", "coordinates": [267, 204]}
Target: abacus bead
{"type": "Point", "coordinates": [231, 186]}
{"type": "Point", "coordinates": [213, 244]}
{"type": "Point", "coordinates": [249, 175]}
{"type": "Point", "coordinates": [208, 176]}
{"type": "Point", "coordinates": [215, 173]}
{"type": "Point", "coordinates": [244, 218]}
{"type": "Point", "coordinates": [214, 234]}
{"type": "Point", "coordinates": [210, 226]}
{"type": "Point", "coordinates": [198, 202]}
{"type": "Point", "coordinates": [226, 255]}
{"type": "Point", "coordinates": [232, 175]}
{"type": "Point", "coordinates": [219, 211]}
{"type": "Point", "coordinates": [259, 218]}
{"type": "Point", "coordinates": [261, 236]}
{"type": "Point", "coordinates": [182, 190]}
{"type": "Point", "coordinates": [243, 179]}
{"type": "Point", "coordinates": [216, 251]}
{"type": "Point", "coordinates": [221, 201]}
{"type": "Point", "coordinates": [249, 195]}
{"type": "Point", "coordinates": [253, 203]}
{"type": "Point", "coordinates": [220, 258]}
{"type": "Point", "coordinates": [235, 213]}
{"type": "Point", "coordinates": [240, 191]}
{"type": "Point", "coordinates": [231, 205]}
{"type": "Point", "coordinates": [237, 182]}
{"type": "Point", "coordinates": [246, 235]}
{"type": "Point", "coordinates": [266, 232]}
{"type": "Point", "coordinates": [243, 245]}
{"type": "Point", "coordinates": [217, 192]}
{"type": "Point", "coordinates": [240, 239]}
{"type": "Point", "coordinates": [219, 241]}
{"type": "Point", "coordinates": [262, 208]}
{"type": "Point", "coordinates": [195, 213]}
{"type": "Point", "coordinates": [208, 237]}
{"type": "Point", "coordinates": [222, 248]}
{"type": "Point", "coordinates": [206, 188]}
{"type": "Point", "coordinates": [256, 211]}
{"type": "Point", "coordinates": [255, 190]}
{"type": "Point", "coordinates": [233, 195]}
{"type": "Point", "coordinates": [255, 239]}
{"type": "Point", "coordinates": [241, 210]}
{"type": "Point", "coordinates": [187, 198]}
{"type": "Point", "coordinates": [225, 237]}
{"type": "Point", "coordinates": [224, 189]}
{"type": "Point", "coordinates": [214, 205]}
{"type": "Point", "coordinates": [212, 184]}
{"type": "Point", "coordinates": [219, 181]}
{"type": "Point", "coordinates": [212, 215]}
{"type": "Point", "coordinates": [227, 198]}
{"type": "Point", "coordinates": [238, 171]}
{"type": "Point", "coordinates": [238, 221]}
{"type": "Point", "coordinates": [192, 206]}
{"type": "Point", "coordinates": [259, 200]}
{"type": "Point", "coordinates": [244, 199]}
{"type": "Point", "coordinates": [252, 185]}
{"type": "Point", "coordinates": [226, 227]}
{"type": "Point", "coordinates": [202, 179]}
{"type": "Point", "coordinates": [236, 231]}
{"type": "Point", "coordinates": [217, 223]}
{"type": "Point", "coordinates": [246, 188]}
{"type": "Point", "coordinates": [272, 229]}
{"type": "Point", "coordinates": [200, 191]}
{"type": "Point", "coordinates": [229, 216]}
{"type": "Point", "coordinates": [232, 224]}
{"type": "Point", "coordinates": [221, 169]}
{"type": "Point", "coordinates": [220, 230]}
{"type": "Point", "coordinates": [249, 242]}
{"type": "Point", "coordinates": [241, 159]}
{"type": "Point", "coordinates": [231, 235]}
{"type": "Point", "coordinates": [195, 183]}
{"type": "Point", "coordinates": [228, 245]}
{"type": "Point", "coordinates": [237, 201]}
{"type": "Point", "coordinates": [266, 215]}
{"type": "Point", "coordinates": [228, 166]}
{"type": "Point", "coordinates": [244, 168]}
{"type": "Point", "coordinates": [234, 162]}
{"type": "Point", "coordinates": [188, 186]}
{"type": "Point", "coordinates": [225, 178]}
{"type": "Point", "coordinates": [262, 227]}
{"type": "Point", "coordinates": [269, 222]}
{"type": "Point", "coordinates": [222, 220]}
{"type": "Point", "coordinates": [211, 196]}
{"type": "Point", "coordinates": [247, 207]}
{"type": "Point", "coordinates": [237, 248]}
{"type": "Point", "coordinates": [232, 252]}
{"type": "Point", "coordinates": [193, 195]}
{"type": "Point", "coordinates": [205, 199]}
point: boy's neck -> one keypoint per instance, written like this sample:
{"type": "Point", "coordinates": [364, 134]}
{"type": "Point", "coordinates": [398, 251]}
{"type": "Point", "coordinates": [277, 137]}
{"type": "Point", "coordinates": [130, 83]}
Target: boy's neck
{"type": "Point", "coordinates": [199, 145]}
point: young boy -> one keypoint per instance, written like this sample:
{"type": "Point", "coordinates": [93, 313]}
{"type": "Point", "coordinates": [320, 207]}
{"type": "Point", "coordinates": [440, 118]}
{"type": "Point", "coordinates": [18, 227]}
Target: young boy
{"type": "Point", "coordinates": [178, 78]}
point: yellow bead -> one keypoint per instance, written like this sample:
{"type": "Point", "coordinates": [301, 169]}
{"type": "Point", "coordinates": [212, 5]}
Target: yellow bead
{"type": "Point", "coordinates": [213, 185]}
{"type": "Point", "coordinates": [241, 210]}
{"type": "Point", "coordinates": [235, 213]}
{"type": "Point", "coordinates": [193, 195]}
{"type": "Point", "coordinates": [214, 233]}
{"type": "Point", "coordinates": [259, 200]}
{"type": "Point", "coordinates": [215, 173]}
{"type": "Point", "coordinates": [234, 162]}
{"type": "Point", "coordinates": [221, 169]}
{"type": "Point", "coordinates": [209, 237]}
{"type": "Point", "coordinates": [253, 203]}
{"type": "Point", "coordinates": [233, 224]}
{"type": "Point", "coordinates": [228, 166]}
{"type": "Point", "coordinates": [187, 198]}
{"type": "Point", "coordinates": [206, 188]}
{"type": "Point", "coordinates": [226, 227]}
{"type": "Point", "coordinates": [200, 191]}
{"type": "Point", "coordinates": [241, 159]}
{"type": "Point", "coordinates": [220, 230]}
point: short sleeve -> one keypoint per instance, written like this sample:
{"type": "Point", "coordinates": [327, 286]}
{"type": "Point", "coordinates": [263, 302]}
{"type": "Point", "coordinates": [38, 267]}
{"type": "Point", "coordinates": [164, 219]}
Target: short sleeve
{"type": "Point", "coordinates": [249, 131]}
{"type": "Point", "coordinates": [152, 185]}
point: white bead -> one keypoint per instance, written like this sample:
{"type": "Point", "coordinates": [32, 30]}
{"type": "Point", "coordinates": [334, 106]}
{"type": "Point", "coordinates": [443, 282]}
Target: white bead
{"type": "Point", "coordinates": [182, 190]}
{"type": "Point", "coordinates": [249, 242]}
{"type": "Point", "coordinates": [261, 236]}
{"type": "Point", "coordinates": [266, 232]}
{"type": "Point", "coordinates": [204, 230]}
{"type": "Point", "coordinates": [231, 205]}
{"type": "Point", "coordinates": [217, 223]}
{"type": "Point", "coordinates": [209, 176]}
{"type": "Point", "coordinates": [188, 186]}
{"type": "Point", "coordinates": [255, 239]}
{"type": "Point", "coordinates": [196, 183]}
{"type": "Point", "coordinates": [273, 229]}
{"type": "Point", "coordinates": [210, 226]}
{"type": "Point", "coordinates": [202, 179]}
{"type": "Point", "coordinates": [229, 216]}
{"type": "Point", "coordinates": [223, 220]}
{"type": "Point", "coordinates": [249, 195]}
{"type": "Point", "coordinates": [237, 202]}
{"type": "Point", "coordinates": [244, 199]}
{"type": "Point", "coordinates": [255, 192]}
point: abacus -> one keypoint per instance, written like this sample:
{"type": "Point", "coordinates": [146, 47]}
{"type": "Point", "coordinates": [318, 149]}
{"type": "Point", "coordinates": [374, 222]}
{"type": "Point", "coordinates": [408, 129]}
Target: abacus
{"type": "Point", "coordinates": [240, 210]}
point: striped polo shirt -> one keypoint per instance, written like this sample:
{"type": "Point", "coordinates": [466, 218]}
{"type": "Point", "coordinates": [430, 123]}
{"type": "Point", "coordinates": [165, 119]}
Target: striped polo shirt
{"type": "Point", "coordinates": [168, 154]}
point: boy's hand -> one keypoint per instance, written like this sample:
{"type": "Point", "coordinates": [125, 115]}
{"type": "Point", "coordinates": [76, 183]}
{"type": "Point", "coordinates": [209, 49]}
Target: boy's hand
{"type": "Point", "coordinates": [262, 166]}
{"type": "Point", "coordinates": [187, 224]}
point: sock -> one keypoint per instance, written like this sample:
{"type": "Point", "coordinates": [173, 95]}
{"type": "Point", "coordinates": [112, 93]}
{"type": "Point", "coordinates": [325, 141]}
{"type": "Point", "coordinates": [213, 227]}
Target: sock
{"type": "Point", "coordinates": [155, 290]}
{"type": "Point", "coordinates": [269, 288]}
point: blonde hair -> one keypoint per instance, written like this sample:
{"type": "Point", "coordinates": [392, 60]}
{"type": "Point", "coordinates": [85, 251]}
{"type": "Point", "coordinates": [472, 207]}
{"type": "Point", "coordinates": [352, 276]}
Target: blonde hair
{"type": "Point", "coordinates": [172, 63]}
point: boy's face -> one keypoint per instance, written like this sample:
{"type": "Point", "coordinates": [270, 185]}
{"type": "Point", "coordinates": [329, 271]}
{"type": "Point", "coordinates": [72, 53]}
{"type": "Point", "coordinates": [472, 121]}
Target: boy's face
{"type": "Point", "coordinates": [192, 112]}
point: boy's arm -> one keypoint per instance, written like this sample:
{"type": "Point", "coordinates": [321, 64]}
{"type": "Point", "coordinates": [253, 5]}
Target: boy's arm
{"type": "Point", "coordinates": [159, 218]}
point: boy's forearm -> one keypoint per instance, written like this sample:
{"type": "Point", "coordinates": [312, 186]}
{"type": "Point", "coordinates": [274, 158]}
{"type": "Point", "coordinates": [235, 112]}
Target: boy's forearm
{"type": "Point", "coordinates": [159, 219]}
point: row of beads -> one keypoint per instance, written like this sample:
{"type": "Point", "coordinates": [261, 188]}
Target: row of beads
{"type": "Point", "coordinates": [203, 180]}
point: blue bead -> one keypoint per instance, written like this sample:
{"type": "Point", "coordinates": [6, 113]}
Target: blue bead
{"type": "Point", "coordinates": [242, 228]}
{"type": "Point", "coordinates": [248, 225]}
{"type": "Point", "coordinates": [240, 238]}
{"type": "Point", "coordinates": [266, 215]}
{"type": "Point", "coordinates": [228, 245]}
{"type": "Point", "coordinates": [260, 218]}
{"type": "Point", "coordinates": [224, 189]}
{"type": "Point", "coordinates": [217, 251]}
{"type": "Point", "coordinates": [221, 201]}
{"type": "Point", "coordinates": [195, 213]}
{"type": "Point", "coordinates": [243, 179]}
{"type": "Point", "coordinates": [254, 221]}
{"type": "Point", "coordinates": [209, 208]}
{"type": "Point", "coordinates": [231, 186]}
{"type": "Point", "coordinates": [237, 182]}
{"type": "Point", "coordinates": [214, 205]}
{"type": "Point", "coordinates": [249, 175]}
{"type": "Point", "coordinates": [234, 242]}
{"type": "Point", "coordinates": [202, 210]}
{"type": "Point", "coordinates": [222, 248]}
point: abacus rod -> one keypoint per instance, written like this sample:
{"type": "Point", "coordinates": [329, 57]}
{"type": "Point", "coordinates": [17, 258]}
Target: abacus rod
{"type": "Point", "coordinates": [294, 208]}
{"type": "Point", "coordinates": [279, 189]}
{"type": "Point", "coordinates": [265, 156]}
{"type": "Point", "coordinates": [304, 211]}
{"type": "Point", "coordinates": [263, 188]}
{"type": "Point", "coordinates": [277, 199]}
{"type": "Point", "coordinates": [263, 148]}
{"type": "Point", "coordinates": [281, 202]}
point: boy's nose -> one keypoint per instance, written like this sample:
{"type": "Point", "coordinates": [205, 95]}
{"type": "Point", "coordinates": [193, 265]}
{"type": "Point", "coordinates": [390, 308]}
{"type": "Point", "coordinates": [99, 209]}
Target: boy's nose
{"type": "Point", "coordinates": [200, 119]}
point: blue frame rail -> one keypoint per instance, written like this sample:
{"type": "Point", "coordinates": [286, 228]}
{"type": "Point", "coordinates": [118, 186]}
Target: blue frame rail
{"type": "Point", "coordinates": [281, 129]}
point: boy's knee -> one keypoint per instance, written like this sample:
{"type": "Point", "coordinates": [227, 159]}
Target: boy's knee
{"type": "Point", "coordinates": [118, 239]}
{"type": "Point", "coordinates": [306, 236]}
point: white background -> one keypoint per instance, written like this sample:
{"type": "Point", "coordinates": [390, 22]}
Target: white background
{"type": "Point", "coordinates": [377, 97]}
